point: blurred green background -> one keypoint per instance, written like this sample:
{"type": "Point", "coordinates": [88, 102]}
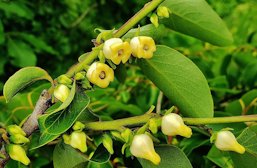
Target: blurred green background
{"type": "Point", "coordinates": [53, 34]}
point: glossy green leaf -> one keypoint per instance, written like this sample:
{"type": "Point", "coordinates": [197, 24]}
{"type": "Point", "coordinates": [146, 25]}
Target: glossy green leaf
{"type": "Point", "coordinates": [59, 122]}
{"type": "Point", "coordinates": [248, 138]}
{"type": "Point", "coordinates": [148, 30]}
{"type": "Point", "coordinates": [64, 156]}
{"type": "Point", "coordinates": [21, 53]}
{"type": "Point", "coordinates": [220, 158]}
{"type": "Point", "coordinates": [180, 80]}
{"type": "Point", "coordinates": [196, 18]}
{"type": "Point", "coordinates": [22, 78]}
{"type": "Point", "coordinates": [171, 157]}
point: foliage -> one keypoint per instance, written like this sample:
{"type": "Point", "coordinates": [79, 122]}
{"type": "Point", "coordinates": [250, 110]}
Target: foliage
{"type": "Point", "coordinates": [199, 70]}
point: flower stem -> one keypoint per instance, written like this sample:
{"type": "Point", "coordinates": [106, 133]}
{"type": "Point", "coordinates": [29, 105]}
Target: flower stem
{"type": "Point", "coordinates": [219, 120]}
{"type": "Point", "coordinates": [141, 120]}
{"type": "Point", "coordinates": [120, 32]}
{"type": "Point", "coordinates": [137, 17]}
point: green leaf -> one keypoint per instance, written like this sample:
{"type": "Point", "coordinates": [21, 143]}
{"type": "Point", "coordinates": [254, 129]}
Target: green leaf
{"type": "Point", "coordinates": [248, 138]}
{"type": "Point", "coordinates": [171, 157]}
{"type": "Point", "coordinates": [180, 80]}
{"type": "Point", "coordinates": [64, 156]}
{"type": "Point", "coordinates": [22, 55]}
{"type": "Point", "coordinates": [22, 78]}
{"type": "Point", "coordinates": [148, 30]}
{"type": "Point", "coordinates": [196, 18]}
{"type": "Point", "coordinates": [1, 32]}
{"type": "Point", "coordinates": [220, 158]}
{"type": "Point", "coordinates": [59, 122]}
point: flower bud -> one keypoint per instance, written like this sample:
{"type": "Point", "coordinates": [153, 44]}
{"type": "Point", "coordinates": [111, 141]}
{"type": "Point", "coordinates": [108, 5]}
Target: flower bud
{"type": "Point", "coordinates": [78, 140]}
{"type": "Point", "coordinates": [163, 11]}
{"type": "Point", "coordinates": [61, 92]}
{"type": "Point", "coordinates": [17, 153]}
{"type": "Point", "coordinates": [226, 141]}
{"type": "Point", "coordinates": [78, 126]}
{"type": "Point", "coordinates": [127, 135]}
{"type": "Point", "coordinates": [66, 139]}
{"type": "Point", "coordinates": [154, 20]}
{"type": "Point", "coordinates": [142, 47]}
{"type": "Point", "coordinates": [18, 139]}
{"type": "Point", "coordinates": [15, 129]}
{"type": "Point", "coordinates": [153, 125]}
{"type": "Point", "coordinates": [142, 147]}
{"type": "Point", "coordinates": [63, 79]}
{"type": "Point", "coordinates": [173, 124]}
{"type": "Point", "coordinates": [116, 50]}
{"type": "Point", "coordinates": [108, 144]}
{"type": "Point", "coordinates": [100, 74]}
{"type": "Point", "coordinates": [80, 76]}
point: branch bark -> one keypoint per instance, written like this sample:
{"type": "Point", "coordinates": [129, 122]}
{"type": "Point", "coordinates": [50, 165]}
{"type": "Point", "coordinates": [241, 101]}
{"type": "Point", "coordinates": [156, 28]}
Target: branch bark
{"type": "Point", "coordinates": [43, 103]}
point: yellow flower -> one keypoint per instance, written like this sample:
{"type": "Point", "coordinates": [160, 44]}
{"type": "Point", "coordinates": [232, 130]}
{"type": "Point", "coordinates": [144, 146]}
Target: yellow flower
{"type": "Point", "coordinates": [61, 92]}
{"type": "Point", "coordinates": [18, 139]}
{"type": "Point", "coordinates": [17, 153]}
{"type": "Point", "coordinates": [15, 129]}
{"type": "Point", "coordinates": [173, 124]}
{"type": "Point", "coordinates": [154, 20]}
{"type": "Point", "coordinates": [142, 147]}
{"type": "Point", "coordinates": [100, 74]}
{"type": "Point", "coordinates": [116, 50]}
{"type": "Point", "coordinates": [142, 47]}
{"type": "Point", "coordinates": [163, 11]}
{"type": "Point", "coordinates": [226, 141]}
{"type": "Point", "coordinates": [78, 140]}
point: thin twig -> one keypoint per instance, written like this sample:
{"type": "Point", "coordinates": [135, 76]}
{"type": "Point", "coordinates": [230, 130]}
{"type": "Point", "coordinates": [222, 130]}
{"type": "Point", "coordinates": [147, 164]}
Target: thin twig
{"type": "Point", "coordinates": [43, 103]}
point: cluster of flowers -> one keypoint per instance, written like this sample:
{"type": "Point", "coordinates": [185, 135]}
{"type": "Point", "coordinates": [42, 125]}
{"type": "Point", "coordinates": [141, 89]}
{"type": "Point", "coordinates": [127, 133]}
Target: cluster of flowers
{"type": "Point", "coordinates": [101, 74]}
{"type": "Point", "coordinates": [172, 124]}
{"type": "Point", "coordinates": [14, 149]}
{"type": "Point", "coordinates": [118, 51]}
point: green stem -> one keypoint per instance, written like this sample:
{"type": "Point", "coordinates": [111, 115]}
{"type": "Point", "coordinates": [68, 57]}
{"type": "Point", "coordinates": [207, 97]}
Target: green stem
{"type": "Point", "coordinates": [141, 120]}
{"type": "Point", "coordinates": [137, 17]}
{"type": "Point", "coordinates": [118, 124]}
{"type": "Point", "coordinates": [219, 120]}
{"type": "Point", "coordinates": [120, 32]}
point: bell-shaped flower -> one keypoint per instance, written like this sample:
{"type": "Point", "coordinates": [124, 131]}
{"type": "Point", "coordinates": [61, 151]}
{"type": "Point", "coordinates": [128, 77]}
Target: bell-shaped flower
{"type": "Point", "coordinates": [142, 147]}
{"type": "Point", "coordinates": [163, 11]}
{"type": "Point", "coordinates": [142, 47]}
{"type": "Point", "coordinates": [61, 92]}
{"type": "Point", "coordinates": [16, 152]}
{"type": "Point", "coordinates": [100, 74]}
{"type": "Point", "coordinates": [15, 129]}
{"type": "Point", "coordinates": [116, 50]}
{"type": "Point", "coordinates": [18, 139]}
{"type": "Point", "coordinates": [173, 124]}
{"type": "Point", "coordinates": [226, 141]}
{"type": "Point", "coordinates": [78, 140]}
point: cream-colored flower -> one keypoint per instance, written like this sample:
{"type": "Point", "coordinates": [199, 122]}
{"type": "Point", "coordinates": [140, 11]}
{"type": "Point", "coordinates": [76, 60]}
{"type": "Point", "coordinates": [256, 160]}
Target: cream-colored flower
{"type": "Point", "coordinates": [78, 140]}
{"type": "Point", "coordinates": [17, 153]}
{"type": "Point", "coordinates": [173, 124]}
{"type": "Point", "coordinates": [116, 50]}
{"type": "Point", "coordinates": [226, 141]}
{"type": "Point", "coordinates": [142, 147]}
{"type": "Point", "coordinates": [142, 47]}
{"type": "Point", "coordinates": [100, 74]}
{"type": "Point", "coordinates": [61, 92]}
{"type": "Point", "coordinates": [163, 11]}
